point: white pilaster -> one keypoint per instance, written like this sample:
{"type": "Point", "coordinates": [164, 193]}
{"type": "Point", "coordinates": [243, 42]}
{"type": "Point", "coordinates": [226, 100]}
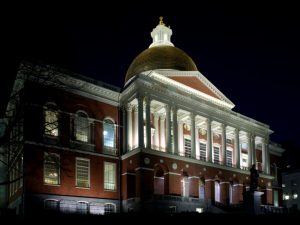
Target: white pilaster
{"type": "Point", "coordinates": [253, 151]}
{"type": "Point", "coordinates": [175, 130]}
{"type": "Point", "coordinates": [129, 127]}
{"type": "Point", "coordinates": [209, 140]}
{"type": "Point", "coordinates": [249, 150]}
{"type": "Point", "coordinates": [148, 122]}
{"type": "Point", "coordinates": [168, 129]}
{"type": "Point", "coordinates": [197, 142]}
{"type": "Point", "coordinates": [237, 149]}
{"type": "Point", "coordinates": [141, 122]}
{"type": "Point", "coordinates": [136, 127]}
{"type": "Point", "coordinates": [223, 127]}
{"type": "Point", "coordinates": [125, 129]}
{"type": "Point", "coordinates": [193, 136]}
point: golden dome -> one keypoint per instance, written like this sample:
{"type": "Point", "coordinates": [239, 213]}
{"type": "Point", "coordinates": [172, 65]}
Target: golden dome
{"type": "Point", "coordinates": [160, 57]}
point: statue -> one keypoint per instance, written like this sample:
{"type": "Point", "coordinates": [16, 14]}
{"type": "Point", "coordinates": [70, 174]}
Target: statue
{"type": "Point", "coordinates": [253, 178]}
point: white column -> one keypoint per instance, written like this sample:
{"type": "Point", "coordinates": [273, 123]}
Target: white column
{"type": "Point", "coordinates": [193, 136]}
{"type": "Point", "coordinates": [197, 142]}
{"type": "Point", "coordinates": [156, 133]}
{"type": "Point", "coordinates": [209, 140]}
{"type": "Point", "coordinates": [148, 122]}
{"type": "Point", "coordinates": [141, 122]}
{"type": "Point", "coordinates": [129, 127]}
{"type": "Point", "coordinates": [253, 151]}
{"type": "Point", "coordinates": [237, 149]}
{"type": "Point", "coordinates": [249, 150]}
{"type": "Point", "coordinates": [136, 127]}
{"type": "Point", "coordinates": [162, 133]}
{"type": "Point", "coordinates": [125, 129]}
{"type": "Point", "coordinates": [180, 138]}
{"type": "Point", "coordinates": [223, 127]}
{"type": "Point", "coordinates": [265, 157]}
{"type": "Point", "coordinates": [175, 130]}
{"type": "Point", "coordinates": [168, 129]}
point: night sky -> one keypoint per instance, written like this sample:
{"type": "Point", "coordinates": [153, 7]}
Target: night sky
{"type": "Point", "coordinates": [252, 55]}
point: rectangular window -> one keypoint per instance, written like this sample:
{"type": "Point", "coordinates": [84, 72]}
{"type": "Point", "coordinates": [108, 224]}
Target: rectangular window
{"type": "Point", "coordinates": [82, 173]}
{"type": "Point", "coordinates": [216, 155]}
{"type": "Point", "coordinates": [202, 151]}
{"type": "Point", "coordinates": [109, 134]}
{"type": "Point", "coordinates": [51, 123]}
{"type": "Point", "coordinates": [187, 147]}
{"type": "Point", "coordinates": [51, 168]}
{"type": "Point", "coordinates": [229, 157]}
{"type": "Point", "coordinates": [228, 141]}
{"type": "Point", "coordinates": [109, 176]}
{"type": "Point", "coordinates": [244, 160]}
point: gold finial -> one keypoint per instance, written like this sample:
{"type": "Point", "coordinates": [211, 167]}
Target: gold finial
{"type": "Point", "coordinates": [161, 21]}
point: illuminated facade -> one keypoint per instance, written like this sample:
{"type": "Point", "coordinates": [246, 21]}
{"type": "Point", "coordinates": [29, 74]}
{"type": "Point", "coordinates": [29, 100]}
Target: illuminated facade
{"type": "Point", "coordinates": [169, 141]}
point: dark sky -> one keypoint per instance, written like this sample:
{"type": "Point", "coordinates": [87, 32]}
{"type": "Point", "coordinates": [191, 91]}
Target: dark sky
{"type": "Point", "coordinates": [252, 55]}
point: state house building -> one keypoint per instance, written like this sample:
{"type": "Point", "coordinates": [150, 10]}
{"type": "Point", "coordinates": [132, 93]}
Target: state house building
{"type": "Point", "coordinates": [169, 140]}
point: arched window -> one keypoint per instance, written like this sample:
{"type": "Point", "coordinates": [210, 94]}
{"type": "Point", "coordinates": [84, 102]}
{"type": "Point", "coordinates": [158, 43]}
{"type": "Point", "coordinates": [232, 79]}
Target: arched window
{"type": "Point", "coordinates": [217, 191]}
{"type": "Point", "coordinates": [185, 186]}
{"type": "Point", "coordinates": [82, 207]}
{"type": "Point", "coordinates": [109, 134]}
{"type": "Point", "coordinates": [81, 127]}
{"type": "Point", "coordinates": [51, 204]}
{"type": "Point", "coordinates": [51, 120]}
{"type": "Point", "coordinates": [109, 208]}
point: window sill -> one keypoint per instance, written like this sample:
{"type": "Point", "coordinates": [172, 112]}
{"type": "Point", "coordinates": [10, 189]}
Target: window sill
{"type": "Point", "coordinates": [82, 145]}
{"type": "Point", "coordinates": [86, 188]}
{"type": "Point", "coordinates": [54, 185]}
{"type": "Point", "coordinates": [110, 190]}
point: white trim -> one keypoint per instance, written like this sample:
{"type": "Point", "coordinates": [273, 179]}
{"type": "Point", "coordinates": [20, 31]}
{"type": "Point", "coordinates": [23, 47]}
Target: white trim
{"type": "Point", "coordinates": [194, 177]}
{"type": "Point", "coordinates": [199, 162]}
{"type": "Point", "coordinates": [171, 173]}
{"type": "Point", "coordinates": [115, 175]}
{"type": "Point", "coordinates": [70, 149]}
{"type": "Point", "coordinates": [234, 185]}
{"type": "Point", "coordinates": [162, 178]}
{"type": "Point", "coordinates": [224, 182]}
{"type": "Point", "coordinates": [209, 180]}
{"type": "Point", "coordinates": [143, 168]}
{"type": "Point", "coordinates": [126, 173]}
{"type": "Point", "coordinates": [267, 189]}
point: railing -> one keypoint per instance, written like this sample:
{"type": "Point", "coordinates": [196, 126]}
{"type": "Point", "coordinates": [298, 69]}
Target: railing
{"type": "Point", "coordinates": [175, 198]}
{"type": "Point", "coordinates": [268, 209]}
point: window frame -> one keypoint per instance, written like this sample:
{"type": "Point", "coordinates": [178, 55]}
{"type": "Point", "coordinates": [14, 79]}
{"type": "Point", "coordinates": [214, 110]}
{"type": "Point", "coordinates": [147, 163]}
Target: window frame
{"type": "Point", "coordinates": [75, 119]}
{"type": "Point", "coordinates": [51, 107]}
{"type": "Point", "coordinates": [110, 204]}
{"type": "Point", "coordinates": [89, 171]}
{"type": "Point", "coordinates": [115, 174]}
{"type": "Point", "coordinates": [112, 122]}
{"type": "Point", "coordinates": [44, 168]}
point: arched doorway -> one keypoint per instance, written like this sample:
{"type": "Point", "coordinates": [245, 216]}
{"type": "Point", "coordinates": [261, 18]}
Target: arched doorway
{"type": "Point", "coordinates": [159, 180]}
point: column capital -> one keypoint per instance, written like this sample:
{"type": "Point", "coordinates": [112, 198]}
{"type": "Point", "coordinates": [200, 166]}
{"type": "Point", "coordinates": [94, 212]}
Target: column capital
{"type": "Point", "coordinates": [208, 120]}
{"type": "Point", "coordinates": [156, 115]}
{"type": "Point", "coordinates": [174, 109]}
{"type": "Point", "coordinates": [237, 130]}
{"type": "Point", "coordinates": [162, 116]}
{"type": "Point", "coordinates": [148, 99]}
{"type": "Point", "coordinates": [135, 108]}
{"type": "Point", "coordinates": [129, 107]}
{"type": "Point", "coordinates": [192, 115]}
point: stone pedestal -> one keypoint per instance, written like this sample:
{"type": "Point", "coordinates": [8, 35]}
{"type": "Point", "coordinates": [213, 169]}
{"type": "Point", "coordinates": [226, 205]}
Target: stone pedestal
{"type": "Point", "coordinates": [253, 202]}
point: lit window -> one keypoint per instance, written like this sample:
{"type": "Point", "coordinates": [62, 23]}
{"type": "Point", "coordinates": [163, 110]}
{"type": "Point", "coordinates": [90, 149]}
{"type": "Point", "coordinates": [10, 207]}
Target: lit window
{"type": "Point", "coordinates": [244, 160]}
{"type": "Point", "coordinates": [51, 168]}
{"type": "Point", "coordinates": [109, 176]}
{"type": "Point", "coordinates": [51, 121]}
{"type": "Point", "coordinates": [286, 197]}
{"type": "Point", "coordinates": [295, 196]}
{"type": "Point", "coordinates": [202, 151]}
{"type": "Point", "coordinates": [109, 208]}
{"type": "Point", "coordinates": [187, 147]}
{"type": "Point", "coordinates": [82, 207]}
{"type": "Point", "coordinates": [217, 191]}
{"type": "Point", "coordinates": [81, 127]}
{"type": "Point", "coordinates": [82, 173]}
{"type": "Point", "coordinates": [216, 155]}
{"type": "Point", "coordinates": [229, 157]}
{"type": "Point", "coordinates": [109, 134]}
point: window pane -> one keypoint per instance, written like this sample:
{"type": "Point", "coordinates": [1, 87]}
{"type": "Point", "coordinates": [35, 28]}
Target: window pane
{"type": "Point", "coordinates": [203, 151]}
{"type": "Point", "coordinates": [51, 169]}
{"type": "Point", "coordinates": [109, 176]}
{"type": "Point", "coordinates": [109, 134]}
{"type": "Point", "coordinates": [187, 148]}
{"type": "Point", "coordinates": [216, 155]}
{"type": "Point", "coordinates": [81, 124]}
{"type": "Point", "coordinates": [228, 157]}
{"type": "Point", "coordinates": [82, 173]}
{"type": "Point", "coordinates": [109, 208]}
{"type": "Point", "coordinates": [51, 122]}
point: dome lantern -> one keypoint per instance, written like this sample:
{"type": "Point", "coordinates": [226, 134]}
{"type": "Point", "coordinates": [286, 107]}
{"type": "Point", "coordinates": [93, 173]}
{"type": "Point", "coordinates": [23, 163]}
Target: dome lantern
{"type": "Point", "coordinates": [161, 35]}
